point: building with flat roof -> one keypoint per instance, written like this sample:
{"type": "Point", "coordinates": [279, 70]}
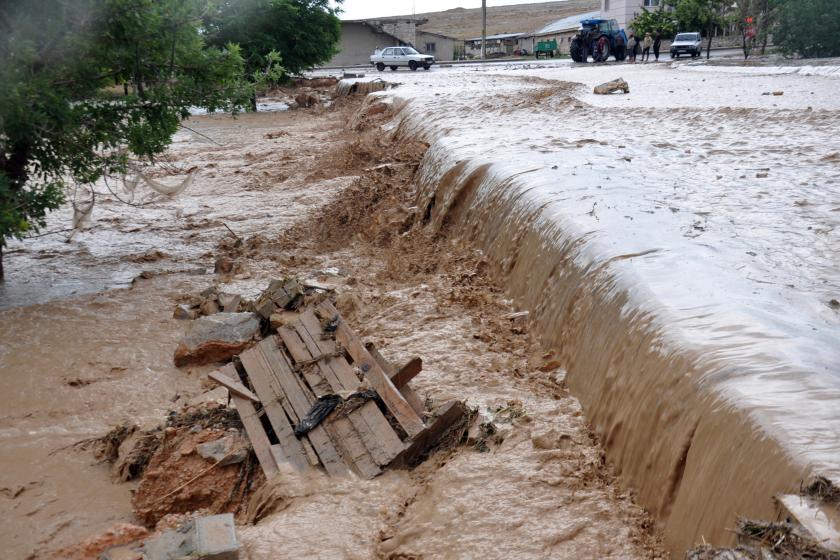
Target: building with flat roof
{"type": "Point", "coordinates": [562, 31]}
{"type": "Point", "coordinates": [502, 43]}
{"type": "Point", "coordinates": [360, 38]}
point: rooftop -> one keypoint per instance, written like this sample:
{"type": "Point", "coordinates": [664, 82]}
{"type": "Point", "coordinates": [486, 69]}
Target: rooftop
{"type": "Point", "coordinates": [567, 23]}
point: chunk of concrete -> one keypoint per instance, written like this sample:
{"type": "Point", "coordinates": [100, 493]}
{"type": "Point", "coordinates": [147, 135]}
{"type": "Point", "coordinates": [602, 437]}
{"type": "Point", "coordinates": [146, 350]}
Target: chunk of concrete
{"type": "Point", "coordinates": [215, 538]}
{"type": "Point", "coordinates": [612, 87]}
{"type": "Point", "coordinates": [228, 450]}
{"type": "Point", "coordinates": [205, 538]}
{"type": "Point", "coordinates": [171, 545]}
{"type": "Point", "coordinates": [217, 338]}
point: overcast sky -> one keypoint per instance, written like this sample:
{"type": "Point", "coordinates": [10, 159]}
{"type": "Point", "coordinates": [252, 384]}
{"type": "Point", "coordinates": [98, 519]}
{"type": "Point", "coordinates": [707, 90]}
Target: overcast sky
{"type": "Point", "coordinates": [361, 9]}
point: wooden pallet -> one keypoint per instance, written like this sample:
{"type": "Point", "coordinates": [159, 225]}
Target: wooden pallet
{"type": "Point", "coordinates": [281, 377]}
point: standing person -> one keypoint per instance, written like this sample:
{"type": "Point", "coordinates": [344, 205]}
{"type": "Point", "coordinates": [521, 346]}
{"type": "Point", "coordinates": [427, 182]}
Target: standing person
{"type": "Point", "coordinates": [631, 55]}
{"type": "Point", "coordinates": [635, 48]}
{"type": "Point", "coordinates": [657, 44]}
{"type": "Point", "coordinates": [646, 50]}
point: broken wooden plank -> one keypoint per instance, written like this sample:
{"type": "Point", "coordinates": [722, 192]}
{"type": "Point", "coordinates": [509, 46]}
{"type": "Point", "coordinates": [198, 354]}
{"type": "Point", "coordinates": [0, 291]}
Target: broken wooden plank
{"type": "Point", "coordinates": [380, 438]}
{"type": "Point", "coordinates": [406, 373]}
{"type": "Point", "coordinates": [234, 386]}
{"type": "Point", "coordinates": [373, 429]}
{"type": "Point", "coordinates": [300, 404]}
{"type": "Point", "coordinates": [253, 427]}
{"type": "Point", "coordinates": [379, 380]}
{"type": "Point", "coordinates": [262, 380]}
{"type": "Point", "coordinates": [448, 415]}
{"type": "Point", "coordinates": [297, 349]}
{"type": "Point", "coordinates": [407, 391]}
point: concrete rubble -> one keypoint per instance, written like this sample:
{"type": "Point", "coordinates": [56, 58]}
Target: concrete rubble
{"type": "Point", "coordinates": [618, 85]}
{"type": "Point", "coordinates": [205, 538]}
{"type": "Point", "coordinates": [216, 338]}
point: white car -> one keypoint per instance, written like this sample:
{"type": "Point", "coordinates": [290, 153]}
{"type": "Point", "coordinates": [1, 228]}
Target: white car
{"type": "Point", "coordinates": [687, 43]}
{"type": "Point", "coordinates": [394, 57]}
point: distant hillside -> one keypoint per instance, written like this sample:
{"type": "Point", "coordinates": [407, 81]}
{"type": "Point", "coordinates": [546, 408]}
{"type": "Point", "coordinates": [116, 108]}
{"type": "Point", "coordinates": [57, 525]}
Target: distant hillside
{"type": "Point", "coordinates": [522, 18]}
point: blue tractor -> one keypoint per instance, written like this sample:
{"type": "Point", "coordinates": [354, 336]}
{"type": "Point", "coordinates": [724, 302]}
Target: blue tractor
{"type": "Point", "coordinates": [599, 38]}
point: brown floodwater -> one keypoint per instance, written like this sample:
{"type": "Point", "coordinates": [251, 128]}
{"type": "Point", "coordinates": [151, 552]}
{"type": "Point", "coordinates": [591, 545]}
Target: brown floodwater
{"type": "Point", "coordinates": [682, 259]}
{"type": "Point", "coordinates": [77, 358]}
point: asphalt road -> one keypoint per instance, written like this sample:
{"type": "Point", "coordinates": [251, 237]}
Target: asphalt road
{"type": "Point", "coordinates": [663, 57]}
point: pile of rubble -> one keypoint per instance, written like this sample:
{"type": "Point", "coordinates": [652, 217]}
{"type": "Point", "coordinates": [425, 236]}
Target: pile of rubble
{"type": "Point", "coordinates": [300, 391]}
{"type": "Point", "coordinates": [310, 393]}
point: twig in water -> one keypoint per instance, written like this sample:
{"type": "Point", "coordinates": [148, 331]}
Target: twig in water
{"type": "Point", "coordinates": [200, 134]}
{"type": "Point", "coordinates": [233, 233]}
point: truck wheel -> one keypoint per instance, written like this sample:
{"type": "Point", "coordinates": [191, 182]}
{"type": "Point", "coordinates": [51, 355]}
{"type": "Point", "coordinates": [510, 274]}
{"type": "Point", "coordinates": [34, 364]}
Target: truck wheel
{"type": "Point", "coordinates": [576, 51]}
{"type": "Point", "coordinates": [412, 65]}
{"type": "Point", "coordinates": [426, 66]}
{"type": "Point", "coordinates": [394, 68]}
{"type": "Point", "coordinates": [380, 66]}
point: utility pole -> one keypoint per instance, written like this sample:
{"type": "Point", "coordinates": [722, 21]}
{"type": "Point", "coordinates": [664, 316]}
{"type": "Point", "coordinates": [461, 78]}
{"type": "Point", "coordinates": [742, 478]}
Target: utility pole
{"type": "Point", "coordinates": [483, 29]}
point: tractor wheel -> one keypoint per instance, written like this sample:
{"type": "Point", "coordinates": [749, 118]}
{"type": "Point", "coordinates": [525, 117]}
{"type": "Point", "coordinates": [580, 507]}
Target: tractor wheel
{"type": "Point", "coordinates": [380, 66]}
{"type": "Point", "coordinates": [576, 50]}
{"type": "Point", "coordinates": [601, 49]}
{"type": "Point", "coordinates": [393, 68]}
{"type": "Point", "coordinates": [412, 65]}
{"type": "Point", "coordinates": [620, 53]}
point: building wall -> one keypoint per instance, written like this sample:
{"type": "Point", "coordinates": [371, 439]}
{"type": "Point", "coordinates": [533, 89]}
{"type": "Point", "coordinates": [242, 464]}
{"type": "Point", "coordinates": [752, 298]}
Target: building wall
{"type": "Point", "coordinates": [404, 29]}
{"type": "Point", "coordinates": [625, 10]}
{"type": "Point", "coordinates": [444, 47]}
{"type": "Point", "coordinates": [358, 41]}
{"type": "Point", "coordinates": [563, 38]}
{"type": "Point", "coordinates": [621, 10]}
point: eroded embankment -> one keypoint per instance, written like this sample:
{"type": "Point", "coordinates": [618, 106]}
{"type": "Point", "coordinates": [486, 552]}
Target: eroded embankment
{"type": "Point", "coordinates": [696, 459]}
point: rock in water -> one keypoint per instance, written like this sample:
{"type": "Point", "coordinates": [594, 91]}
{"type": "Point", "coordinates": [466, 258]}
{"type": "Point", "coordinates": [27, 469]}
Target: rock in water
{"type": "Point", "coordinates": [216, 338]}
{"type": "Point", "coordinates": [612, 87]}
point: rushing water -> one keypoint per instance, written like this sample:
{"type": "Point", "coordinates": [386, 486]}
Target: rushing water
{"type": "Point", "coordinates": [679, 245]}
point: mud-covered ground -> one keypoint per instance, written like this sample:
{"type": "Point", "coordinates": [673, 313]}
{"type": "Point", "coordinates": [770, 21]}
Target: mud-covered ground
{"type": "Point", "coordinates": [309, 196]}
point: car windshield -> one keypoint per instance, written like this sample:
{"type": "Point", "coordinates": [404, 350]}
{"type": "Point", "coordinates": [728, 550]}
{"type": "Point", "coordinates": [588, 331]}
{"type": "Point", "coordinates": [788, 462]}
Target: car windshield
{"type": "Point", "coordinates": [409, 50]}
{"type": "Point", "coordinates": [686, 37]}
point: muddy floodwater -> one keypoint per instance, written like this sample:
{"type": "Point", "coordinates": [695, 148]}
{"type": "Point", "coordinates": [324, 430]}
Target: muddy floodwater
{"type": "Point", "coordinates": [676, 250]}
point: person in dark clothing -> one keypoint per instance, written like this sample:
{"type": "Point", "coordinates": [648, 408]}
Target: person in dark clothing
{"type": "Point", "coordinates": [657, 43]}
{"type": "Point", "coordinates": [635, 48]}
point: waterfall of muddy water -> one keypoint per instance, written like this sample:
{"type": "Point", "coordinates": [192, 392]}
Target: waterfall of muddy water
{"type": "Point", "coordinates": [679, 246]}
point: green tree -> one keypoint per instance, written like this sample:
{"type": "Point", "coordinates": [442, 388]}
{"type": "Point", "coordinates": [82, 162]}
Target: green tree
{"type": "Point", "coordinates": [305, 33]}
{"type": "Point", "coordinates": [651, 21]}
{"type": "Point", "coordinates": [704, 15]}
{"type": "Point", "coordinates": [809, 28]}
{"type": "Point", "coordinates": [87, 84]}
{"type": "Point", "coordinates": [765, 14]}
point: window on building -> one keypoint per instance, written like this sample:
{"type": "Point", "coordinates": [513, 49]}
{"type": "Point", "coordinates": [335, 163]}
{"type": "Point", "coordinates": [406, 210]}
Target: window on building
{"type": "Point", "coordinates": [651, 3]}
{"type": "Point", "coordinates": [430, 48]}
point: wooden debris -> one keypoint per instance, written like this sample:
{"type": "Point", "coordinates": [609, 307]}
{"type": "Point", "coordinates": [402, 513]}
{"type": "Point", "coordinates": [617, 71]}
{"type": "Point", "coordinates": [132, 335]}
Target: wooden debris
{"type": "Point", "coordinates": [373, 419]}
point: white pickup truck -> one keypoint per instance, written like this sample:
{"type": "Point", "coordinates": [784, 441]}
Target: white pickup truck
{"type": "Point", "coordinates": [394, 57]}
